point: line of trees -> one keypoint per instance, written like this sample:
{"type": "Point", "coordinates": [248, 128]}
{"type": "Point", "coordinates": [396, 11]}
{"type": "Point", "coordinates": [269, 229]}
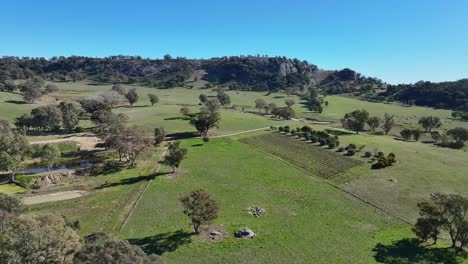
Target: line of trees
{"type": "Point", "coordinates": [51, 118]}
{"type": "Point", "coordinates": [358, 119]}
{"type": "Point", "coordinates": [278, 112]}
{"type": "Point", "coordinates": [306, 132]}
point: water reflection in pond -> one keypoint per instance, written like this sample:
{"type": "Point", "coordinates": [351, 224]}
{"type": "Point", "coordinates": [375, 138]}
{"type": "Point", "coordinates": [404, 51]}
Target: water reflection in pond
{"type": "Point", "coordinates": [61, 167]}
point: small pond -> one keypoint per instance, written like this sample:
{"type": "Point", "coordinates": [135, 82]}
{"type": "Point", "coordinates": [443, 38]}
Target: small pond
{"type": "Point", "coordinates": [61, 167]}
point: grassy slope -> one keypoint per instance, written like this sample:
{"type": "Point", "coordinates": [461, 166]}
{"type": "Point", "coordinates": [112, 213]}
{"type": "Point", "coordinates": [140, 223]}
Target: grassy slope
{"type": "Point", "coordinates": [407, 116]}
{"type": "Point", "coordinates": [422, 169]}
{"type": "Point", "coordinates": [299, 208]}
{"type": "Point", "coordinates": [165, 113]}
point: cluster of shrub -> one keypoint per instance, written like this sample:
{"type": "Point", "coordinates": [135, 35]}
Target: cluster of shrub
{"type": "Point", "coordinates": [460, 114]}
{"type": "Point", "coordinates": [351, 149]}
{"type": "Point", "coordinates": [382, 160]}
{"type": "Point", "coordinates": [306, 132]}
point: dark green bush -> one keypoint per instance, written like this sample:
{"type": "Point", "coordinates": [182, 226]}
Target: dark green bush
{"type": "Point", "coordinates": [351, 146]}
{"type": "Point", "coordinates": [322, 141]}
{"type": "Point", "coordinates": [79, 129]}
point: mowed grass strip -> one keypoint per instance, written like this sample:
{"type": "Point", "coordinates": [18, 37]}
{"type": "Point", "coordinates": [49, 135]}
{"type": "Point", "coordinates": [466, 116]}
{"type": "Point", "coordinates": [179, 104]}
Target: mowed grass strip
{"type": "Point", "coordinates": [321, 162]}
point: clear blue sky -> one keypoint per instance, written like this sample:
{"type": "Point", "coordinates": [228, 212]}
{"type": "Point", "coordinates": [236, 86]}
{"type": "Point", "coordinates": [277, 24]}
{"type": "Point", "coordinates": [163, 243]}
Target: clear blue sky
{"type": "Point", "coordinates": [395, 40]}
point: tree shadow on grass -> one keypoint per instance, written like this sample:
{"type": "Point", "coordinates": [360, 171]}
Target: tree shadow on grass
{"type": "Point", "coordinates": [162, 243]}
{"type": "Point", "coordinates": [177, 118]}
{"type": "Point", "coordinates": [16, 102]}
{"type": "Point", "coordinates": [339, 132]}
{"type": "Point", "coordinates": [409, 250]}
{"type": "Point", "coordinates": [181, 135]}
{"type": "Point", "coordinates": [130, 181]}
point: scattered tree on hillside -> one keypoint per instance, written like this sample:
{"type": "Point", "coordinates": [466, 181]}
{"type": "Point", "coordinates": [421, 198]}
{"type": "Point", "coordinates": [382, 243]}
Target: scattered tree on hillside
{"type": "Point", "coordinates": [50, 154]}
{"type": "Point", "coordinates": [314, 104]}
{"type": "Point", "coordinates": [134, 143]}
{"type": "Point", "coordinates": [91, 105]}
{"type": "Point", "coordinates": [373, 122]}
{"type": "Point", "coordinates": [283, 112]}
{"type": "Point", "coordinates": [426, 228]}
{"type": "Point", "coordinates": [76, 75]}
{"type": "Point", "coordinates": [109, 126]}
{"type": "Point", "coordinates": [223, 98]}
{"type": "Point", "coordinates": [153, 99]}
{"type": "Point", "coordinates": [70, 115]}
{"type": "Point", "coordinates": [355, 120]}
{"type": "Point", "coordinates": [213, 105]}
{"type": "Point", "coordinates": [159, 135]}
{"type": "Point", "coordinates": [7, 86]}
{"type": "Point", "coordinates": [200, 208]}
{"type": "Point", "coordinates": [388, 123]}
{"type": "Point", "coordinates": [416, 134]}
{"type": "Point", "coordinates": [429, 123]}
{"type": "Point", "coordinates": [205, 120]}
{"type": "Point", "coordinates": [446, 212]}
{"type": "Point", "coordinates": [109, 98]}
{"type": "Point", "coordinates": [185, 111]}
{"type": "Point", "coordinates": [270, 108]}
{"type": "Point", "coordinates": [406, 134]}
{"type": "Point", "coordinates": [119, 89]}
{"type": "Point", "coordinates": [48, 118]}
{"type": "Point", "coordinates": [31, 89]}
{"type": "Point", "coordinates": [260, 104]}
{"type": "Point", "coordinates": [203, 98]}
{"type": "Point", "coordinates": [458, 133]}
{"type": "Point", "coordinates": [51, 88]}
{"type": "Point", "coordinates": [14, 148]}
{"type": "Point", "coordinates": [174, 156]}
{"type": "Point", "coordinates": [435, 135]}
{"type": "Point", "coordinates": [289, 102]}
{"type": "Point", "coordinates": [132, 96]}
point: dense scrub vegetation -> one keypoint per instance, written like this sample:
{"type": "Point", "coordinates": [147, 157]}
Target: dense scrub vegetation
{"type": "Point", "coordinates": [449, 95]}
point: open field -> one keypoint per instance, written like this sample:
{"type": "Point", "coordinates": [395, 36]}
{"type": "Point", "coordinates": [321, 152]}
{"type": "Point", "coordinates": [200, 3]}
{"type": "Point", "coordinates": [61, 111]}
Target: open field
{"type": "Point", "coordinates": [307, 218]}
{"type": "Point", "coordinates": [318, 160]}
{"type": "Point", "coordinates": [299, 207]}
{"type": "Point", "coordinates": [166, 112]}
{"type": "Point", "coordinates": [422, 169]}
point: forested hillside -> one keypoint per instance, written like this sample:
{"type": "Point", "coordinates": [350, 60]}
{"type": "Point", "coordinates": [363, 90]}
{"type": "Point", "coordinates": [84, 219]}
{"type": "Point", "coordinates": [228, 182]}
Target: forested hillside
{"type": "Point", "coordinates": [257, 73]}
{"type": "Point", "coordinates": [449, 95]}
